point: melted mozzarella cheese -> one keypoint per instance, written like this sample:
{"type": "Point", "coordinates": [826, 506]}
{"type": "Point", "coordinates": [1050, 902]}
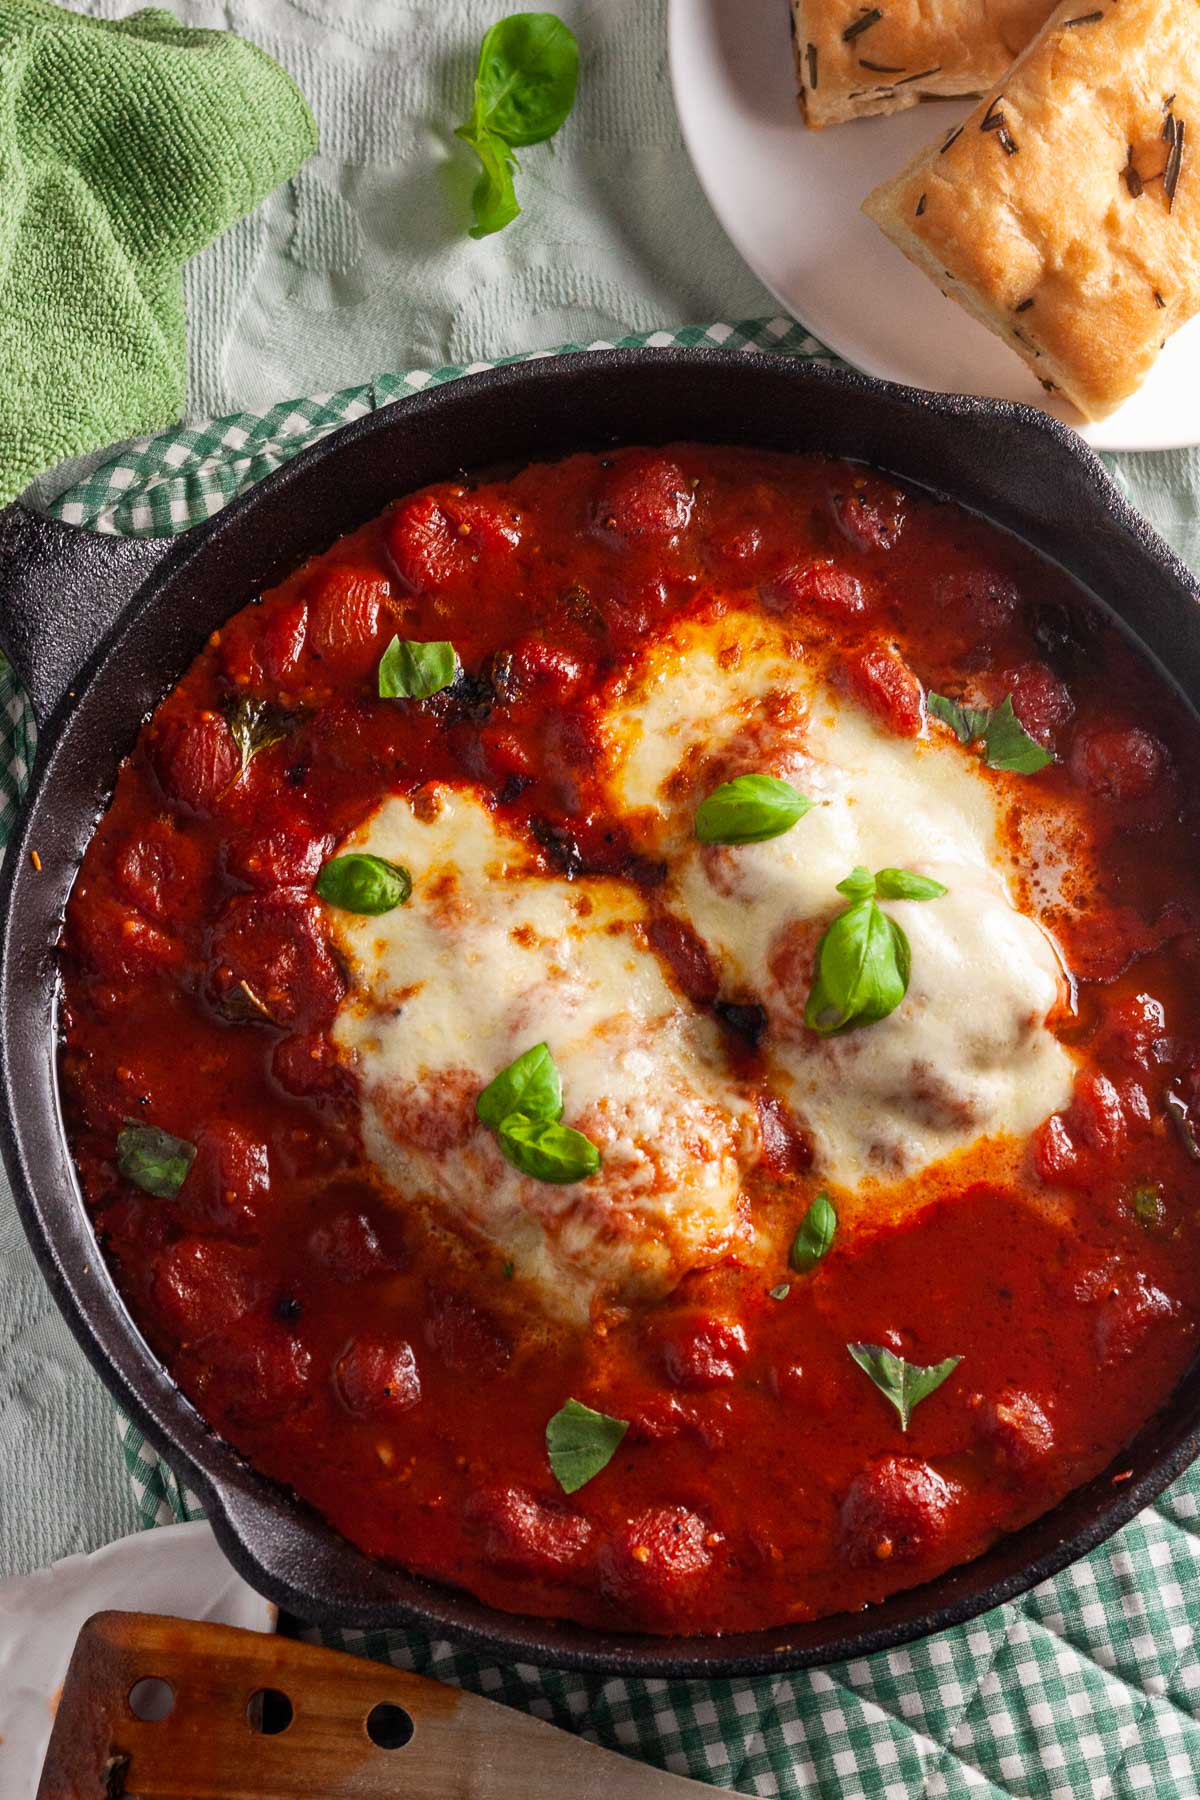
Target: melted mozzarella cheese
{"type": "Point", "coordinates": [967, 1054]}
{"type": "Point", "coordinates": [488, 958]}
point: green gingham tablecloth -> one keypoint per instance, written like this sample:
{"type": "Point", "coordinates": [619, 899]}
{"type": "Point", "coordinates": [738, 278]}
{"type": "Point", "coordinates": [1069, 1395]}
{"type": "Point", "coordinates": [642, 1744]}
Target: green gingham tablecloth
{"type": "Point", "coordinates": [1088, 1686]}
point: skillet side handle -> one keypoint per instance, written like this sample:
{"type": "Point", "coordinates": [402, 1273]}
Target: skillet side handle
{"type": "Point", "coordinates": [62, 588]}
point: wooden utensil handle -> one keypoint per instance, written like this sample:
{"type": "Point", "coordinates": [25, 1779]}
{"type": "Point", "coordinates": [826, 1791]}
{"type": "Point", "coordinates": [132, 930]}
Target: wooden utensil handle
{"type": "Point", "coordinates": [254, 1717]}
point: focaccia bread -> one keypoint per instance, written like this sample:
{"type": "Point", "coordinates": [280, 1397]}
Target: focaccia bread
{"type": "Point", "coordinates": [854, 58]}
{"type": "Point", "coordinates": [1065, 213]}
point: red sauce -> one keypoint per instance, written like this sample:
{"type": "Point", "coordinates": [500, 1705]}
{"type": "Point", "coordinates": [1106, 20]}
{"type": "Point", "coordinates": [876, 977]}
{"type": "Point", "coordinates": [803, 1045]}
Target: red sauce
{"type": "Point", "coordinates": [403, 1389]}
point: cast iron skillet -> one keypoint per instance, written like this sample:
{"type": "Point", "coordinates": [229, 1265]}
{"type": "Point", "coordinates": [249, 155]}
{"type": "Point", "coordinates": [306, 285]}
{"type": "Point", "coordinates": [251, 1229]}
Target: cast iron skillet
{"type": "Point", "coordinates": [100, 628]}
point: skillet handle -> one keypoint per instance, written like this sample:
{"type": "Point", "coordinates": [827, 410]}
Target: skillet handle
{"type": "Point", "coordinates": [62, 588]}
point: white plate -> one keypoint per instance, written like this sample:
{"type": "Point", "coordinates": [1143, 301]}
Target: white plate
{"type": "Point", "coordinates": [789, 198]}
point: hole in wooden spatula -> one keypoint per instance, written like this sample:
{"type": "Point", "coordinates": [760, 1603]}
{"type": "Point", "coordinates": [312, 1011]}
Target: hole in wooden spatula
{"type": "Point", "coordinates": [269, 1711]}
{"type": "Point", "coordinates": [389, 1726]}
{"type": "Point", "coordinates": [151, 1700]}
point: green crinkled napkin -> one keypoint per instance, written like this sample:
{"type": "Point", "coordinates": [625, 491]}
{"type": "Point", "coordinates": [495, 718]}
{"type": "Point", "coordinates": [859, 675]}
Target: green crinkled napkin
{"type": "Point", "coordinates": [124, 148]}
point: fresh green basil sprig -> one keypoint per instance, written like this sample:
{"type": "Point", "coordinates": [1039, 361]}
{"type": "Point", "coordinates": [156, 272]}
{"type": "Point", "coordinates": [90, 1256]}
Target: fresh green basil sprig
{"type": "Point", "coordinates": [361, 883]}
{"type": "Point", "coordinates": [154, 1160]}
{"type": "Point", "coordinates": [523, 1105]}
{"type": "Point", "coordinates": [903, 1383]}
{"type": "Point", "coordinates": [1006, 743]}
{"type": "Point", "coordinates": [580, 1442]}
{"type": "Point", "coordinates": [525, 85]}
{"type": "Point", "coordinates": [413, 671]}
{"type": "Point", "coordinates": [864, 959]}
{"type": "Point", "coordinates": [749, 809]}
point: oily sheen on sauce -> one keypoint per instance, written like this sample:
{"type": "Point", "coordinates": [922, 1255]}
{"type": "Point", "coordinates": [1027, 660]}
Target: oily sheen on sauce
{"type": "Point", "coordinates": [358, 1288]}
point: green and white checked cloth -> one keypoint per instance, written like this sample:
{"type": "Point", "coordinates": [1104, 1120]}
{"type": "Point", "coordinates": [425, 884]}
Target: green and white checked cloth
{"type": "Point", "coordinates": [1088, 1686]}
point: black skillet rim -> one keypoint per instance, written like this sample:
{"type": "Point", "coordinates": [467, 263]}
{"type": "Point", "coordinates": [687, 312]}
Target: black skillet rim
{"type": "Point", "coordinates": [241, 1503]}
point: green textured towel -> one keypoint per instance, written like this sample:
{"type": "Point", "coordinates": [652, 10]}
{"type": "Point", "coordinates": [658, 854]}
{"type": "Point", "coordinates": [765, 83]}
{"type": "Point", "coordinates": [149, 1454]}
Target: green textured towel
{"type": "Point", "coordinates": [124, 149]}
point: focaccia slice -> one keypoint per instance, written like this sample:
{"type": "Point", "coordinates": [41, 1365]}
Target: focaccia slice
{"type": "Point", "coordinates": [854, 59]}
{"type": "Point", "coordinates": [1065, 213]}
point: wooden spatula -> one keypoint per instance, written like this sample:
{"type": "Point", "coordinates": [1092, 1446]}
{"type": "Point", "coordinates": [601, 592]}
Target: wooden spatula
{"type": "Point", "coordinates": [240, 1715]}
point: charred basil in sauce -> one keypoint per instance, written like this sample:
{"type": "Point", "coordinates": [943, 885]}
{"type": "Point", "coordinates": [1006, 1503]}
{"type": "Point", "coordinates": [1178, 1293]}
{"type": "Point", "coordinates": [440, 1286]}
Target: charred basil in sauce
{"type": "Point", "coordinates": [154, 1160]}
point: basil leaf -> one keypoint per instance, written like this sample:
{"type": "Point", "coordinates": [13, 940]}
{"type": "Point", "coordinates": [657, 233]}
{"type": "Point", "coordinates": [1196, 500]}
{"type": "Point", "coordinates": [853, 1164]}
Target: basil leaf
{"type": "Point", "coordinates": [858, 885]}
{"type": "Point", "coordinates": [580, 1442]}
{"type": "Point", "coordinates": [547, 1150]}
{"type": "Point", "coordinates": [154, 1160]}
{"type": "Point", "coordinates": [495, 196]}
{"type": "Point", "coordinates": [905, 1384]}
{"type": "Point", "coordinates": [1007, 744]}
{"type": "Point", "coordinates": [526, 79]}
{"type": "Point", "coordinates": [525, 84]}
{"type": "Point", "coordinates": [360, 883]}
{"type": "Point", "coordinates": [781, 1292]}
{"type": "Point", "coordinates": [966, 722]}
{"type": "Point", "coordinates": [254, 725]}
{"type": "Point", "coordinates": [412, 671]}
{"type": "Point", "coordinates": [815, 1235]}
{"type": "Point", "coordinates": [862, 970]}
{"type": "Point", "coordinates": [530, 1085]}
{"type": "Point", "coordinates": [902, 884]}
{"type": "Point", "coordinates": [748, 810]}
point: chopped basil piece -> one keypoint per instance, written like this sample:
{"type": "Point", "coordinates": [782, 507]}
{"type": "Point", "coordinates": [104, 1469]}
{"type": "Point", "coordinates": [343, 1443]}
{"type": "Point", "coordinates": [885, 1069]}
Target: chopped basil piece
{"type": "Point", "coordinates": [1148, 1207]}
{"type": "Point", "coordinates": [580, 1442]}
{"type": "Point", "coordinates": [864, 959]}
{"type": "Point", "coordinates": [966, 722]}
{"type": "Point", "coordinates": [781, 1292]}
{"type": "Point", "coordinates": [905, 1384]}
{"type": "Point", "coordinates": [1006, 743]}
{"type": "Point", "coordinates": [530, 1085]}
{"type": "Point", "coordinates": [814, 1236]}
{"type": "Point", "coordinates": [509, 1269]}
{"type": "Point", "coordinates": [414, 671]}
{"type": "Point", "coordinates": [524, 88]}
{"type": "Point", "coordinates": [361, 883]}
{"type": "Point", "coordinates": [254, 725]}
{"type": "Point", "coordinates": [749, 810]}
{"type": "Point", "coordinates": [154, 1160]}
{"type": "Point", "coordinates": [547, 1150]}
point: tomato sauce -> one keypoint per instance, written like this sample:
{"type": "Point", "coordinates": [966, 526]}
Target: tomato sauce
{"type": "Point", "coordinates": [402, 1383]}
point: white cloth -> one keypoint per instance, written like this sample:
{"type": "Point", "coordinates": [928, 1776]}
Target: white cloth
{"type": "Point", "coordinates": [178, 1571]}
